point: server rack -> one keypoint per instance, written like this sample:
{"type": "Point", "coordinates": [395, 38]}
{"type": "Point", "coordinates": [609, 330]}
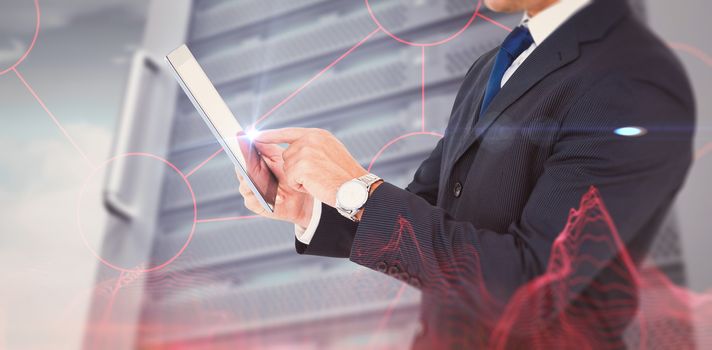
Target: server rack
{"type": "Point", "coordinates": [239, 282]}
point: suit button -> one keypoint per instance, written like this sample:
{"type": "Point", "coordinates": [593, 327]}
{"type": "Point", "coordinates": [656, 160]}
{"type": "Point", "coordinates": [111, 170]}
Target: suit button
{"type": "Point", "coordinates": [415, 282]}
{"type": "Point", "coordinates": [381, 266]}
{"type": "Point", "coordinates": [457, 190]}
{"type": "Point", "coordinates": [403, 276]}
{"type": "Point", "coordinates": [393, 271]}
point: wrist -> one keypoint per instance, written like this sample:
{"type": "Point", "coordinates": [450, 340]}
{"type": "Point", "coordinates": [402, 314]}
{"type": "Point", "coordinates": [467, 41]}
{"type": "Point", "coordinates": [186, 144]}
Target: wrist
{"type": "Point", "coordinates": [305, 218]}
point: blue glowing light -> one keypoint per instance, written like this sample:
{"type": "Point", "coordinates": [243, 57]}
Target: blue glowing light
{"type": "Point", "coordinates": [631, 131]}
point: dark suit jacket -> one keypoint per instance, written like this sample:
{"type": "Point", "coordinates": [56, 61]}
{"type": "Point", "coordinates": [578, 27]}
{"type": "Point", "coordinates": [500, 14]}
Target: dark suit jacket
{"type": "Point", "coordinates": [501, 185]}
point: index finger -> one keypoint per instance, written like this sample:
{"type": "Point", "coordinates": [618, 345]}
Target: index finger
{"type": "Point", "coordinates": [286, 135]}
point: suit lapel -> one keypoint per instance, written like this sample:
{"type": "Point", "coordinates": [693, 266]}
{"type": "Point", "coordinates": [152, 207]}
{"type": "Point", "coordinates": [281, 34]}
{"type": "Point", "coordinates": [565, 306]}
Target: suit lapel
{"type": "Point", "coordinates": [554, 53]}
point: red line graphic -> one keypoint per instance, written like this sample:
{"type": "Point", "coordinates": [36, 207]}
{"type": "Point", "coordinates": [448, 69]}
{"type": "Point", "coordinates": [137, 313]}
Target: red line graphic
{"type": "Point", "coordinates": [422, 88]}
{"type": "Point", "coordinates": [297, 91]}
{"type": "Point", "coordinates": [411, 43]}
{"type": "Point", "coordinates": [498, 24]}
{"type": "Point", "coordinates": [703, 151]}
{"type": "Point", "coordinates": [294, 94]}
{"type": "Point", "coordinates": [112, 297]}
{"type": "Point", "coordinates": [81, 228]}
{"type": "Point", "coordinates": [107, 311]}
{"type": "Point", "coordinates": [32, 43]}
{"type": "Point", "coordinates": [694, 51]}
{"type": "Point", "coordinates": [387, 314]}
{"type": "Point", "coordinates": [230, 218]}
{"type": "Point", "coordinates": [51, 115]}
{"type": "Point", "coordinates": [391, 142]}
{"type": "Point", "coordinates": [204, 162]}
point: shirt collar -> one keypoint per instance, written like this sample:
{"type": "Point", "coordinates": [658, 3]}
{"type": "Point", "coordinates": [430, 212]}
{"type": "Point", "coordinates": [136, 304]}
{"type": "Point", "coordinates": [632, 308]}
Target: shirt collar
{"type": "Point", "coordinates": [548, 20]}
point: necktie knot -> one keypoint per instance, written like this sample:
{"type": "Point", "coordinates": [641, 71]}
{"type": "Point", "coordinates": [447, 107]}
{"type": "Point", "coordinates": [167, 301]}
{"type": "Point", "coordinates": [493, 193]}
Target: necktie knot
{"type": "Point", "coordinates": [517, 41]}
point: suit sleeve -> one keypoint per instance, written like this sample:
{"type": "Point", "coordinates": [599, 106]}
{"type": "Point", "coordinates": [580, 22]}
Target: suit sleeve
{"type": "Point", "coordinates": [637, 178]}
{"type": "Point", "coordinates": [335, 234]}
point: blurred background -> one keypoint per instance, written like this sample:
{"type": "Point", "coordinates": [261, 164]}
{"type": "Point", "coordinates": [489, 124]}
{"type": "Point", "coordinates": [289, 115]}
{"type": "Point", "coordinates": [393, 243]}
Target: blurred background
{"type": "Point", "coordinates": [153, 249]}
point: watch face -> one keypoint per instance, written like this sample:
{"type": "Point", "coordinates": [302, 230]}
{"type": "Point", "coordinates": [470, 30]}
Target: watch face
{"type": "Point", "coordinates": [352, 195]}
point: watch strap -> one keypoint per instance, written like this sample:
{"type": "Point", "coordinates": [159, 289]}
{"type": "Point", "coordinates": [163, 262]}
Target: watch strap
{"type": "Point", "coordinates": [368, 180]}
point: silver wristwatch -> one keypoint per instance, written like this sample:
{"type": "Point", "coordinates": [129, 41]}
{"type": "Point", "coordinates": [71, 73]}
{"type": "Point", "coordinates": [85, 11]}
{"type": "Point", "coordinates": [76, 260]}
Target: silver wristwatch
{"type": "Point", "coordinates": [353, 194]}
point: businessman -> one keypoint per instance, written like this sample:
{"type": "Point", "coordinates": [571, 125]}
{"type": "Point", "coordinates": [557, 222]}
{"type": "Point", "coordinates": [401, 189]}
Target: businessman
{"type": "Point", "coordinates": [536, 123]}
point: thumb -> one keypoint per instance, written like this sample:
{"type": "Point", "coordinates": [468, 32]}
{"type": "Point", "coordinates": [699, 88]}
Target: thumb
{"type": "Point", "coordinates": [276, 168]}
{"type": "Point", "coordinates": [271, 151]}
{"type": "Point", "coordinates": [272, 157]}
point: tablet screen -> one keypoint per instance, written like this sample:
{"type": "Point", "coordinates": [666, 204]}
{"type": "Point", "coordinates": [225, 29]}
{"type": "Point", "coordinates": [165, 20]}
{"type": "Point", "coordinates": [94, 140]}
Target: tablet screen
{"type": "Point", "coordinates": [223, 124]}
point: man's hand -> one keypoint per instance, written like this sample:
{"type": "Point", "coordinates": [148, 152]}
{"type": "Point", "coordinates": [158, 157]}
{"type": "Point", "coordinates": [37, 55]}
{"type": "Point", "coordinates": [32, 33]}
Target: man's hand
{"type": "Point", "coordinates": [315, 162]}
{"type": "Point", "coordinates": [290, 205]}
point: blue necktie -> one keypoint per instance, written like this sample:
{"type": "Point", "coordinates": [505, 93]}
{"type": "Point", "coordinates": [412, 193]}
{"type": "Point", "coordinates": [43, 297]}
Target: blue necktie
{"type": "Point", "coordinates": [516, 42]}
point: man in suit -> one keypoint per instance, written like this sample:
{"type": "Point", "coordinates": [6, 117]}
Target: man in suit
{"type": "Point", "coordinates": [580, 94]}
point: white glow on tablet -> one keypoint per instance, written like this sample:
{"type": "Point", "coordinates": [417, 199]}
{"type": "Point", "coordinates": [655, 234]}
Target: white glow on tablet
{"type": "Point", "coordinates": [631, 131]}
{"type": "Point", "coordinates": [252, 134]}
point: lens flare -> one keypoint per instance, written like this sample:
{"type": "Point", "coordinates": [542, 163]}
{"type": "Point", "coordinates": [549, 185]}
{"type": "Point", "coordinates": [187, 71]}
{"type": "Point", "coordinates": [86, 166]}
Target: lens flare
{"type": "Point", "coordinates": [252, 134]}
{"type": "Point", "coordinates": [631, 131]}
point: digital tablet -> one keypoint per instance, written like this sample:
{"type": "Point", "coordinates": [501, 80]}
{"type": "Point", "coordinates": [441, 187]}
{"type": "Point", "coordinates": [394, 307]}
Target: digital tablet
{"type": "Point", "coordinates": [223, 125]}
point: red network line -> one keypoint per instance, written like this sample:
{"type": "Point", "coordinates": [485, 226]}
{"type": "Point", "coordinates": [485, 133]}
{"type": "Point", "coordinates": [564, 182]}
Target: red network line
{"type": "Point", "coordinates": [109, 306]}
{"type": "Point", "coordinates": [422, 88]}
{"type": "Point", "coordinates": [139, 269]}
{"type": "Point", "coordinates": [294, 93]}
{"type": "Point", "coordinates": [204, 162]}
{"type": "Point", "coordinates": [297, 91]}
{"type": "Point", "coordinates": [13, 68]}
{"type": "Point", "coordinates": [32, 43]}
{"type": "Point", "coordinates": [498, 24]}
{"type": "Point", "coordinates": [387, 314]}
{"type": "Point", "coordinates": [692, 50]}
{"type": "Point", "coordinates": [391, 142]}
{"type": "Point", "coordinates": [230, 218]}
{"type": "Point", "coordinates": [411, 43]}
{"type": "Point", "coordinates": [703, 151]}
{"type": "Point", "coordinates": [51, 115]}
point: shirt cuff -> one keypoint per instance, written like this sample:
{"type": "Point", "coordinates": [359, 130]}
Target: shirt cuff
{"type": "Point", "coordinates": [305, 235]}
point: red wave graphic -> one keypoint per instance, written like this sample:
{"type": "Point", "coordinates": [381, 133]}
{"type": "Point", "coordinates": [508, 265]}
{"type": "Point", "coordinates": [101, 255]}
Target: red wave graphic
{"type": "Point", "coordinates": [569, 307]}
{"type": "Point", "coordinates": [591, 296]}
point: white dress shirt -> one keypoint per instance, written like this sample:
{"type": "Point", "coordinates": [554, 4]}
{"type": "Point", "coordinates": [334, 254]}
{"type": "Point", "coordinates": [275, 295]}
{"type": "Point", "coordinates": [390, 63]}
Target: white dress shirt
{"type": "Point", "coordinates": [540, 27]}
{"type": "Point", "coordinates": [305, 235]}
